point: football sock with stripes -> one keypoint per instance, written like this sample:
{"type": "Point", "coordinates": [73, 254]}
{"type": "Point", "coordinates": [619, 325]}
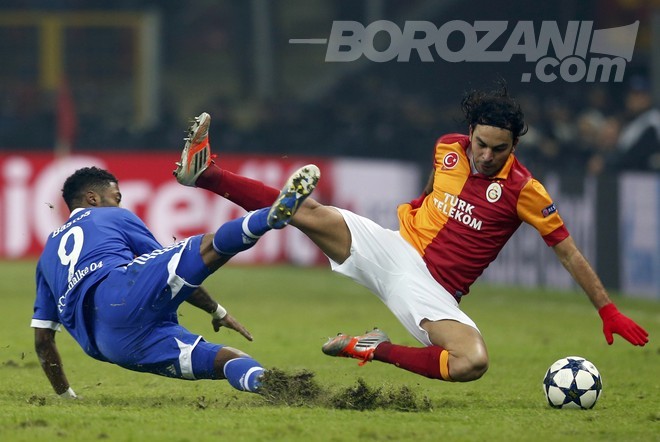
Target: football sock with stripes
{"type": "Point", "coordinates": [242, 233]}
{"type": "Point", "coordinates": [248, 193]}
{"type": "Point", "coordinates": [432, 361]}
{"type": "Point", "coordinates": [243, 374]}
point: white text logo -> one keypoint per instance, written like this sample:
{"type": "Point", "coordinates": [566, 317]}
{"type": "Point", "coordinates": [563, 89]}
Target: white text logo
{"type": "Point", "coordinates": [576, 53]}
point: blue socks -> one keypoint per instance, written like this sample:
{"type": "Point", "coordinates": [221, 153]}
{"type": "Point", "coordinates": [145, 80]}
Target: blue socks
{"type": "Point", "coordinates": [242, 233]}
{"type": "Point", "coordinates": [243, 374]}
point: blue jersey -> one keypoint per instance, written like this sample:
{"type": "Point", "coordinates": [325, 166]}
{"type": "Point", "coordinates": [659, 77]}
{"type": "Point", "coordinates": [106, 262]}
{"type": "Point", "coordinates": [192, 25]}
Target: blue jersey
{"type": "Point", "coordinates": [77, 256]}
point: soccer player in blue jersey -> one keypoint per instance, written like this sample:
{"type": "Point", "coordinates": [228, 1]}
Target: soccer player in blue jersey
{"type": "Point", "coordinates": [105, 278]}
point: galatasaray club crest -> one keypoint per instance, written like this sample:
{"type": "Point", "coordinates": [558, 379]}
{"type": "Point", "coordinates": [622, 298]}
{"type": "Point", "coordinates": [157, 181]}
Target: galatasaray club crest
{"type": "Point", "coordinates": [450, 160]}
{"type": "Point", "coordinates": [494, 192]}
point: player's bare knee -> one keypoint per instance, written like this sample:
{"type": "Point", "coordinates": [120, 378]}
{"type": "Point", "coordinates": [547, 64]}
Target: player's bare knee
{"type": "Point", "coordinates": [479, 361]}
{"type": "Point", "coordinates": [479, 366]}
{"type": "Point", "coordinates": [469, 367]}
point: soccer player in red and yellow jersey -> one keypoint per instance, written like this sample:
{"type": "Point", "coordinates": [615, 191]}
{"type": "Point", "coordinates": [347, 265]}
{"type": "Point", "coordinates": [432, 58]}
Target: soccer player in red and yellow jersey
{"type": "Point", "coordinates": [476, 198]}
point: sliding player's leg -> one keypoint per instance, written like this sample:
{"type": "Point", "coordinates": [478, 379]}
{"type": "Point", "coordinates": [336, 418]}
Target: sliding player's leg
{"type": "Point", "coordinates": [391, 268]}
{"type": "Point", "coordinates": [240, 234]}
{"type": "Point", "coordinates": [322, 224]}
{"type": "Point", "coordinates": [197, 168]}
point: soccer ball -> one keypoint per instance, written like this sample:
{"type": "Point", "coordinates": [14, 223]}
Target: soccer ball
{"type": "Point", "coordinates": [572, 382]}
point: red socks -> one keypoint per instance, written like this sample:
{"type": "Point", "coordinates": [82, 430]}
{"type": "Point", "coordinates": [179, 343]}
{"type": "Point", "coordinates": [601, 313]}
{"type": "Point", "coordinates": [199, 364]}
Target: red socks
{"type": "Point", "coordinates": [248, 193]}
{"type": "Point", "coordinates": [432, 362]}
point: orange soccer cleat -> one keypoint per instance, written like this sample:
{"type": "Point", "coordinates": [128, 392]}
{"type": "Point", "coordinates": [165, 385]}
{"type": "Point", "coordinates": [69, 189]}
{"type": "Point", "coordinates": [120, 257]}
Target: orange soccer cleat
{"type": "Point", "coordinates": [196, 154]}
{"type": "Point", "coordinates": [357, 347]}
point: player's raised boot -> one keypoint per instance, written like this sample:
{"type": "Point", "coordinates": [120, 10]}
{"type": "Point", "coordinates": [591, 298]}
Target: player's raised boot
{"type": "Point", "coordinates": [196, 154]}
{"type": "Point", "coordinates": [357, 347]}
{"type": "Point", "coordinates": [298, 187]}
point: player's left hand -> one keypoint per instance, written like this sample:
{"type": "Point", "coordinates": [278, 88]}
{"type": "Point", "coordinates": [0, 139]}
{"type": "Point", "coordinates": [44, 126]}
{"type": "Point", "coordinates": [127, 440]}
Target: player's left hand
{"type": "Point", "coordinates": [230, 322]}
{"type": "Point", "coordinates": [616, 322]}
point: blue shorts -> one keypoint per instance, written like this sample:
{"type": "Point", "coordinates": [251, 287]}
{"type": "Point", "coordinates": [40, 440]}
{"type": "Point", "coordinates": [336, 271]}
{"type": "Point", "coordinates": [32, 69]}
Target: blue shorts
{"type": "Point", "coordinates": [134, 321]}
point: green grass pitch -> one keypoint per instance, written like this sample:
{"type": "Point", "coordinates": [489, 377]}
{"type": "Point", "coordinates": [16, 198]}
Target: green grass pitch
{"type": "Point", "coordinates": [291, 311]}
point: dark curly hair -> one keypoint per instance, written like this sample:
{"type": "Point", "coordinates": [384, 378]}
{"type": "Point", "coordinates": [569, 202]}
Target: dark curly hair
{"type": "Point", "coordinates": [82, 180]}
{"type": "Point", "coordinates": [494, 108]}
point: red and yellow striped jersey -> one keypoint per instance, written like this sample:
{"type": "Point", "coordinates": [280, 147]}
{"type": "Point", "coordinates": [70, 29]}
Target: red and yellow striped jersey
{"type": "Point", "coordinates": [461, 226]}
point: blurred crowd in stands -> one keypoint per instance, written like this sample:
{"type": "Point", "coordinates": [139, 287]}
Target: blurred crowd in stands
{"type": "Point", "coordinates": [588, 132]}
{"type": "Point", "coordinates": [590, 128]}
{"type": "Point", "coordinates": [593, 133]}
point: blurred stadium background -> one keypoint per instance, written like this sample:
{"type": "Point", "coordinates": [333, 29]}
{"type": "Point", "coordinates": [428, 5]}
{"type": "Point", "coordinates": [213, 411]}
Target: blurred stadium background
{"type": "Point", "coordinates": [91, 83]}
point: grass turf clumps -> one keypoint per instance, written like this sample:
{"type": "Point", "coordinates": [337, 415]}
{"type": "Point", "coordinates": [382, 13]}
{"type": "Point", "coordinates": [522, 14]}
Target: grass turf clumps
{"type": "Point", "coordinates": [295, 390]}
{"type": "Point", "coordinates": [363, 397]}
{"type": "Point", "coordinates": [301, 390]}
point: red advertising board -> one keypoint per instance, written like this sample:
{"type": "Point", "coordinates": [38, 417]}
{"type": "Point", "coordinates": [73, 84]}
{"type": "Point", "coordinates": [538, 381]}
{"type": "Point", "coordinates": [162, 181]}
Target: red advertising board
{"type": "Point", "coordinates": [31, 204]}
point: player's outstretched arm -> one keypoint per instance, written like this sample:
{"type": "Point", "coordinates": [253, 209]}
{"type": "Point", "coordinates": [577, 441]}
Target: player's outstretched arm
{"type": "Point", "coordinates": [51, 362]}
{"type": "Point", "coordinates": [201, 299]}
{"type": "Point", "coordinates": [613, 320]}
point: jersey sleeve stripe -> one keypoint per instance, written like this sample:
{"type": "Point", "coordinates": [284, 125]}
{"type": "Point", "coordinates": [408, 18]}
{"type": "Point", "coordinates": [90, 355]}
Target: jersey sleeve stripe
{"type": "Point", "coordinates": [40, 323]}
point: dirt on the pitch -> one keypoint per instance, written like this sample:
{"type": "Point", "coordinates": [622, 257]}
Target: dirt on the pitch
{"type": "Point", "coordinates": [301, 390]}
{"type": "Point", "coordinates": [296, 390]}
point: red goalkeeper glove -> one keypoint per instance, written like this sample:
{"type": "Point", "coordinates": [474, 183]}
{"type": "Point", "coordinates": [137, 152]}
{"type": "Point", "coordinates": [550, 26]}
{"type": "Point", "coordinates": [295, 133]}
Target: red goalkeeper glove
{"type": "Point", "coordinates": [616, 322]}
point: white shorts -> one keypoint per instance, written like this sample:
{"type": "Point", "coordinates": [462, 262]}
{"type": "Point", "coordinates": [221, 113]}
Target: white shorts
{"type": "Point", "coordinates": [389, 266]}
